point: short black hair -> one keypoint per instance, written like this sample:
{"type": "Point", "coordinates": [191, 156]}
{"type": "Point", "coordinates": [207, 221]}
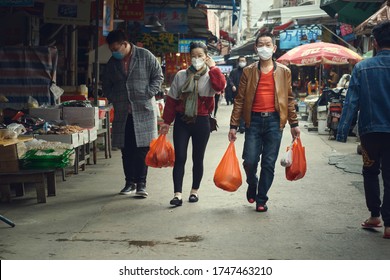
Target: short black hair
{"type": "Point", "coordinates": [381, 34]}
{"type": "Point", "coordinates": [198, 44]}
{"type": "Point", "coordinates": [241, 56]}
{"type": "Point", "coordinates": [116, 36]}
{"type": "Point", "coordinates": [265, 34]}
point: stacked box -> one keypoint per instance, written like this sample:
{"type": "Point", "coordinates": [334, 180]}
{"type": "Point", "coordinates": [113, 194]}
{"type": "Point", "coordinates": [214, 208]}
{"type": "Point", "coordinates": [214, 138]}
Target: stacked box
{"type": "Point", "coordinates": [48, 114]}
{"type": "Point", "coordinates": [85, 117]}
{"type": "Point", "coordinates": [72, 139]}
{"type": "Point", "coordinates": [9, 157]}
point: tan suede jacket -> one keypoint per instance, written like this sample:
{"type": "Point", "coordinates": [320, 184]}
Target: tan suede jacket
{"type": "Point", "coordinates": [284, 100]}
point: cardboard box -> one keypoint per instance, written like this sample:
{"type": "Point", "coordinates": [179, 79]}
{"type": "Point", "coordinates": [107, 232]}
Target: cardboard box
{"type": "Point", "coordinates": [85, 136]}
{"type": "Point", "coordinates": [85, 117]}
{"type": "Point", "coordinates": [72, 139]}
{"type": "Point", "coordinates": [9, 166]}
{"type": "Point", "coordinates": [12, 152]}
{"type": "Point", "coordinates": [92, 134]}
{"type": "Point", "coordinates": [48, 114]}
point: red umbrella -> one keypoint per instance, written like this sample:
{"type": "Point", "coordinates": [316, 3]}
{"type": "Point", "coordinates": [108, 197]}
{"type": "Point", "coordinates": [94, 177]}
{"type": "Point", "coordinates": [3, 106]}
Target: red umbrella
{"type": "Point", "coordinates": [319, 53]}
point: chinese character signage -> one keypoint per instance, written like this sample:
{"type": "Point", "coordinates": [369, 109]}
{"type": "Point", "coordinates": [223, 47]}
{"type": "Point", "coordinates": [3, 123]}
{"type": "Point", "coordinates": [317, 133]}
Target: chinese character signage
{"type": "Point", "coordinates": [67, 12]}
{"type": "Point", "coordinates": [16, 3]}
{"type": "Point", "coordinates": [131, 9]}
{"type": "Point", "coordinates": [174, 20]}
{"type": "Point", "coordinates": [184, 44]}
{"type": "Point", "coordinates": [290, 39]}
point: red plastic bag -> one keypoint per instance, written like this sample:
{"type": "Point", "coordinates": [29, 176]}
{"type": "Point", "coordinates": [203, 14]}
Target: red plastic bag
{"type": "Point", "coordinates": [161, 153]}
{"type": "Point", "coordinates": [297, 169]}
{"type": "Point", "coordinates": [227, 176]}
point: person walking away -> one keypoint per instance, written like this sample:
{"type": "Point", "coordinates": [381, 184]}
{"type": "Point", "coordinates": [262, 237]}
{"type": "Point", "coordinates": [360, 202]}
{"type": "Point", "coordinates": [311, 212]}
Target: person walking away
{"type": "Point", "coordinates": [368, 93]}
{"type": "Point", "coordinates": [131, 80]}
{"type": "Point", "coordinates": [234, 82]}
{"type": "Point", "coordinates": [190, 100]}
{"type": "Point", "coordinates": [266, 102]}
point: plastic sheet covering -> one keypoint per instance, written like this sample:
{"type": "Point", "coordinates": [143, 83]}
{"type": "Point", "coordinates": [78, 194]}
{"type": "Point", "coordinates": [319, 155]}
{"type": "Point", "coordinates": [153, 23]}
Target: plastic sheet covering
{"type": "Point", "coordinates": [25, 72]}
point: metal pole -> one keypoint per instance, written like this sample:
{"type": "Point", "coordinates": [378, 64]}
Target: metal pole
{"type": "Point", "coordinates": [96, 47]}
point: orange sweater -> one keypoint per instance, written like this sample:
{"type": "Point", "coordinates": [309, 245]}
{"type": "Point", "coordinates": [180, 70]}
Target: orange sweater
{"type": "Point", "coordinates": [265, 94]}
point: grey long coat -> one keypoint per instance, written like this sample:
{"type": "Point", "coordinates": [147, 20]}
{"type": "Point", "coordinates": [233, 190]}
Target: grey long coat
{"type": "Point", "coordinates": [138, 90]}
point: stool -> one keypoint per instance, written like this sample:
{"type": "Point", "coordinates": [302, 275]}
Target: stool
{"type": "Point", "coordinates": [39, 177]}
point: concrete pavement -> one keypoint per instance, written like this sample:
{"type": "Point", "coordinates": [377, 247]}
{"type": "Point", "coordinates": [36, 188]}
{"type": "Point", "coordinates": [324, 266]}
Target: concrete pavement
{"type": "Point", "coordinates": [317, 217]}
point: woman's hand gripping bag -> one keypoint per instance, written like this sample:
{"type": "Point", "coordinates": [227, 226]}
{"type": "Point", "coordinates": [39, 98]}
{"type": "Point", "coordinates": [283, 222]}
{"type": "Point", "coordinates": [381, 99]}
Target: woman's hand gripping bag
{"type": "Point", "coordinates": [161, 153]}
{"type": "Point", "coordinates": [297, 169]}
{"type": "Point", "coordinates": [227, 176]}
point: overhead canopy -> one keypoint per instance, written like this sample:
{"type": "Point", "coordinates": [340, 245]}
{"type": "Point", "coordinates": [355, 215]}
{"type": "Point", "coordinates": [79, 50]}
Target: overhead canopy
{"type": "Point", "coordinates": [319, 53]}
{"type": "Point", "coordinates": [352, 12]}
{"type": "Point", "coordinates": [233, 5]}
{"type": "Point", "coordinates": [381, 15]}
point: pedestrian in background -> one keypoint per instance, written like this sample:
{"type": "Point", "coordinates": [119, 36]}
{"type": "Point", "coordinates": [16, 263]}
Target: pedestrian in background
{"type": "Point", "coordinates": [368, 93]}
{"type": "Point", "coordinates": [266, 102]}
{"type": "Point", "coordinates": [131, 80]}
{"type": "Point", "coordinates": [334, 78]}
{"type": "Point", "coordinates": [234, 83]}
{"type": "Point", "coordinates": [190, 100]}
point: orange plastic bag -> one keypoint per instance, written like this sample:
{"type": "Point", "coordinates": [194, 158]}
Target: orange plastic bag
{"type": "Point", "coordinates": [227, 176]}
{"type": "Point", "coordinates": [161, 153]}
{"type": "Point", "coordinates": [297, 169]}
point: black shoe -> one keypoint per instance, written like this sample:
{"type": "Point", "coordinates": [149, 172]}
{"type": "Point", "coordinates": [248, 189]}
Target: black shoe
{"type": "Point", "coordinates": [261, 208]}
{"type": "Point", "coordinates": [141, 190]}
{"type": "Point", "coordinates": [251, 194]}
{"type": "Point", "coordinates": [193, 198]}
{"type": "Point", "coordinates": [176, 201]}
{"type": "Point", "coordinates": [128, 189]}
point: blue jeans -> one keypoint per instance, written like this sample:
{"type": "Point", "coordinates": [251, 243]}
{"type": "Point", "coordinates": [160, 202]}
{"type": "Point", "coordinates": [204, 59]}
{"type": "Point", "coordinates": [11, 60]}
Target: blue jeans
{"type": "Point", "coordinates": [263, 137]}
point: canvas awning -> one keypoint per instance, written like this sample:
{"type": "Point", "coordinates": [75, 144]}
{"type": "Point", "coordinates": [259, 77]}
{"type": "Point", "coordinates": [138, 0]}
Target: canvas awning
{"type": "Point", "coordinates": [382, 14]}
{"type": "Point", "coordinates": [352, 12]}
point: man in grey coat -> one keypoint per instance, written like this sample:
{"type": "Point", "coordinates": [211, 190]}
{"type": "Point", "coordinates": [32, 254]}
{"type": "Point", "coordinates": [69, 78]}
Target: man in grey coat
{"type": "Point", "coordinates": [132, 78]}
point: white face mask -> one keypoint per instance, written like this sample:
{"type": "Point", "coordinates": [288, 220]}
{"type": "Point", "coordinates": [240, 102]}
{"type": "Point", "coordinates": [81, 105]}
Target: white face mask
{"type": "Point", "coordinates": [265, 53]}
{"type": "Point", "coordinates": [242, 64]}
{"type": "Point", "coordinates": [197, 63]}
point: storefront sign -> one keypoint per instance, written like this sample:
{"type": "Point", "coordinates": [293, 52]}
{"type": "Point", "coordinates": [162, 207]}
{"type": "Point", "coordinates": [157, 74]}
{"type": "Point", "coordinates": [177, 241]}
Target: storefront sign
{"type": "Point", "coordinates": [131, 9]}
{"type": "Point", "coordinates": [67, 12]}
{"type": "Point", "coordinates": [290, 39]}
{"type": "Point", "coordinates": [16, 3]}
{"type": "Point", "coordinates": [108, 16]}
{"type": "Point", "coordinates": [174, 20]}
{"type": "Point", "coordinates": [184, 44]}
{"type": "Point", "coordinates": [159, 43]}
{"type": "Point", "coordinates": [225, 69]}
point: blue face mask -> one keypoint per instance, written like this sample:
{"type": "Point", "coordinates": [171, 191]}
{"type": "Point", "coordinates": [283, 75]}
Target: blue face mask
{"type": "Point", "coordinates": [118, 55]}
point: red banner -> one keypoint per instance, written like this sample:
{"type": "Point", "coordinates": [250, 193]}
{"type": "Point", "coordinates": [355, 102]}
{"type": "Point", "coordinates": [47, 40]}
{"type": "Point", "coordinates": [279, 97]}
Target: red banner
{"type": "Point", "coordinates": [131, 9]}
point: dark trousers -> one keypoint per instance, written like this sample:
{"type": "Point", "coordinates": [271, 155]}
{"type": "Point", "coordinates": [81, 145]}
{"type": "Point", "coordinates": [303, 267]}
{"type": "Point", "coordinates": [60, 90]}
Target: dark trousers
{"type": "Point", "coordinates": [182, 132]}
{"type": "Point", "coordinates": [376, 158]}
{"type": "Point", "coordinates": [133, 157]}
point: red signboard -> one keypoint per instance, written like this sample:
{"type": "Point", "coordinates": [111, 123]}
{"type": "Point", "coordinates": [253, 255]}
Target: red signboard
{"type": "Point", "coordinates": [131, 9]}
